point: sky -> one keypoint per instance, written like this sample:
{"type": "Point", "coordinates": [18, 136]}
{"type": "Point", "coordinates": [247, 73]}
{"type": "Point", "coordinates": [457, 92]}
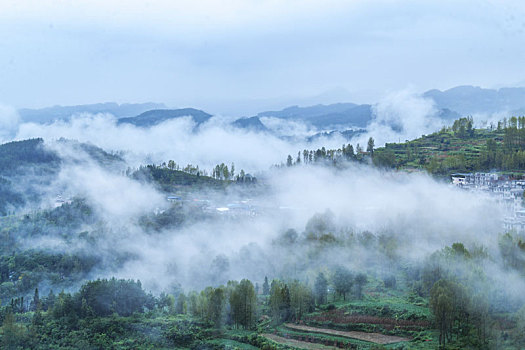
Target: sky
{"type": "Point", "coordinates": [244, 56]}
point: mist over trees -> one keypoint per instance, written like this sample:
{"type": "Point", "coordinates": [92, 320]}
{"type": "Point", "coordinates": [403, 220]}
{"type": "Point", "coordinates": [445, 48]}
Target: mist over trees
{"type": "Point", "coordinates": [327, 240]}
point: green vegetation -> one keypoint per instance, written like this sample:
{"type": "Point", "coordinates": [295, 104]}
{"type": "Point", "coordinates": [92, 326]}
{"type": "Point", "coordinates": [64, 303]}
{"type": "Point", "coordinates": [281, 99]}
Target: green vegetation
{"type": "Point", "coordinates": [171, 178]}
{"type": "Point", "coordinates": [336, 279]}
{"type": "Point", "coordinates": [459, 148]}
{"type": "Point", "coordinates": [430, 305]}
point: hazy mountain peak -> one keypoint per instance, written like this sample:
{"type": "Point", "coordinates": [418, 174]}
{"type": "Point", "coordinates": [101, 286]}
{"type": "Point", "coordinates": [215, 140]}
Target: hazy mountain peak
{"type": "Point", "coordinates": [156, 116]}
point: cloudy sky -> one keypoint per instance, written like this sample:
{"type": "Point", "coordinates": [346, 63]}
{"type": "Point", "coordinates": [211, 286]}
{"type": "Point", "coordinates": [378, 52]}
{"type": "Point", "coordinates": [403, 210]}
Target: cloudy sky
{"type": "Point", "coordinates": [238, 56]}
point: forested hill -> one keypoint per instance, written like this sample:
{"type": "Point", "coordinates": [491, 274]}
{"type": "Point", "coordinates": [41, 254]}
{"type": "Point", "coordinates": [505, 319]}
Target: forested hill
{"type": "Point", "coordinates": [16, 154]}
{"type": "Point", "coordinates": [170, 180]}
{"type": "Point", "coordinates": [26, 163]}
{"type": "Point", "coordinates": [459, 148]}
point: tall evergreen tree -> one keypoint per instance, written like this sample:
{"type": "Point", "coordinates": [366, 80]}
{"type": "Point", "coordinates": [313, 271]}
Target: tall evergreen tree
{"type": "Point", "coordinates": [266, 286]}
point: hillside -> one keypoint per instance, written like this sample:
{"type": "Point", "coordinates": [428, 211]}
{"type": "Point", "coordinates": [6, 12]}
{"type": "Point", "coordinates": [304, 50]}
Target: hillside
{"type": "Point", "coordinates": [170, 180]}
{"type": "Point", "coordinates": [460, 149]}
{"type": "Point", "coordinates": [26, 166]}
{"type": "Point", "coordinates": [18, 154]}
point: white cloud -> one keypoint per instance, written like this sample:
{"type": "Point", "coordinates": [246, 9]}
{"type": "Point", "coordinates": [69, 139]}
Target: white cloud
{"type": "Point", "coordinates": [9, 120]}
{"type": "Point", "coordinates": [402, 115]}
{"type": "Point", "coordinates": [212, 143]}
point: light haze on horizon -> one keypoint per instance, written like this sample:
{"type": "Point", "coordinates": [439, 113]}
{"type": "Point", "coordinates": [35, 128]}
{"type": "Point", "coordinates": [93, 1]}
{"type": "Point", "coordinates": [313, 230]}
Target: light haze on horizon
{"type": "Point", "coordinates": [240, 57]}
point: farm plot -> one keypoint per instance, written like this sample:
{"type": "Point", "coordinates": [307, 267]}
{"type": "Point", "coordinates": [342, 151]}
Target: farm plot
{"type": "Point", "coordinates": [377, 338]}
{"type": "Point", "coordinates": [339, 316]}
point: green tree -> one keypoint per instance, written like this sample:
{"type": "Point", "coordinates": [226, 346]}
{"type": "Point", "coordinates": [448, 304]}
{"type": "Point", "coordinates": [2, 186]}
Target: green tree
{"type": "Point", "coordinates": [266, 286]}
{"type": "Point", "coordinates": [342, 280]}
{"type": "Point", "coordinates": [449, 303]}
{"type": "Point", "coordinates": [320, 288]}
{"type": "Point", "coordinates": [279, 302]}
{"type": "Point", "coordinates": [384, 158]}
{"type": "Point", "coordinates": [225, 172]}
{"type": "Point", "coordinates": [216, 307]}
{"type": "Point", "coordinates": [301, 300]}
{"type": "Point", "coordinates": [36, 304]}
{"type": "Point", "coordinates": [13, 335]}
{"type": "Point", "coordinates": [243, 302]}
{"type": "Point", "coordinates": [181, 306]}
{"type": "Point", "coordinates": [289, 161]}
{"type": "Point", "coordinates": [359, 281]}
{"type": "Point", "coordinates": [370, 147]}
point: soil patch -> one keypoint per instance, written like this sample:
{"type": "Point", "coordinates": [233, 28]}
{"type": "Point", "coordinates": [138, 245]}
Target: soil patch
{"type": "Point", "coordinates": [377, 338]}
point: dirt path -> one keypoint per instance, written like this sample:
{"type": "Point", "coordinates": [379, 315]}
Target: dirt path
{"type": "Point", "coordinates": [298, 343]}
{"type": "Point", "coordinates": [377, 338]}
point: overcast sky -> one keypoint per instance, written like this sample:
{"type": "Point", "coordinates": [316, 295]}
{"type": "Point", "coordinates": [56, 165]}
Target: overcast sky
{"type": "Point", "coordinates": [233, 56]}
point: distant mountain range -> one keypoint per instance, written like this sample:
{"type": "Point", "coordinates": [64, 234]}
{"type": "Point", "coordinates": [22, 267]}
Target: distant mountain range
{"type": "Point", "coordinates": [50, 114]}
{"type": "Point", "coordinates": [471, 100]}
{"type": "Point", "coordinates": [323, 116]}
{"type": "Point", "coordinates": [451, 104]}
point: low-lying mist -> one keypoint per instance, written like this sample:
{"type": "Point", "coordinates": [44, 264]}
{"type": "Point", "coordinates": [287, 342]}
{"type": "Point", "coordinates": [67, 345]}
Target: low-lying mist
{"type": "Point", "coordinates": [211, 143]}
{"type": "Point", "coordinates": [305, 219]}
{"type": "Point", "coordinates": [398, 116]}
{"type": "Point", "coordinates": [302, 219]}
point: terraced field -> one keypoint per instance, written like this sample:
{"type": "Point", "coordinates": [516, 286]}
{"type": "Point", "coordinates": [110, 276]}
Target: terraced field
{"type": "Point", "coordinates": [343, 317]}
{"type": "Point", "coordinates": [377, 338]}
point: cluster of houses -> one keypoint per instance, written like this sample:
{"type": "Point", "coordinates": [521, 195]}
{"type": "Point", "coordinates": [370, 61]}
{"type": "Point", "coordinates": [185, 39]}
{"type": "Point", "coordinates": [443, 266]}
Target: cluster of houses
{"type": "Point", "coordinates": [237, 209]}
{"type": "Point", "coordinates": [59, 201]}
{"type": "Point", "coordinates": [507, 190]}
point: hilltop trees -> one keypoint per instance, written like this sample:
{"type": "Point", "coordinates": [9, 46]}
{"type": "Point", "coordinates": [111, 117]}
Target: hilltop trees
{"type": "Point", "coordinates": [348, 152]}
{"type": "Point", "coordinates": [332, 156]}
{"type": "Point", "coordinates": [463, 127]}
{"type": "Point", "coordinates": [370, 147]}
